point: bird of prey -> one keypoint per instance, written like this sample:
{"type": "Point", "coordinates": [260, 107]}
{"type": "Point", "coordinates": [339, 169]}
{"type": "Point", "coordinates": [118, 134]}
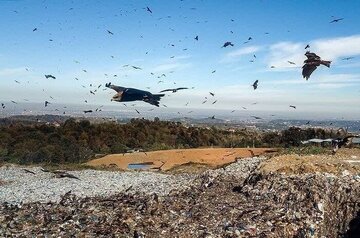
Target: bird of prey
{"type": "Point", "coordinates": [214, 102]}
{"type": "Point", "coordinates": [13, 102]}
{"type": "Point", "coordinates": [226, 44]}
{"type": "Point", "coordinates": [49, 76]}
{"type": "Point", "coordinates": [257, 118]}
{"type": "Point", "coordinates": [196, 38]}
{"type": "Point", "coordinates": [111, 33]}
{"type": "Point", "coordinates": [137, 111]}
{"type": "Point", "coordinates": [174, 90]}
{"type": "Point", "coordinates": [311, 63]}
{"type": "Point", "coordinates": [336, 20]}
{"type": "Point", "coordinates": [16, 81]}
{"type": "Point", "coordinates": [35, 29]}
{"type": "Point", "coordinates": [213, 117]}
{"type": "Point", "coordinates": [290, 62]}
{"type": "Point", "coordinates": [47, 103]}
{"type": "Point", "coordinates": [255, 84]}
{"type": "Point", "coordinates": [307, 46]}
{"type": "Point", "coordinates": [212, 94]}
{"type": "Point", "coordinates": [148, 9]}
{"type": "Point", "coordinates": [135, 67]}
{"type": "Point", "coordinates": [213, 71]}
{"type": "Point", "coordinates": [88, 111]}
{"type": "Point", "coordinates": [293, 106]}
{"type": "Point", "coordinates": [131, 94]}
{"type": "Point", "coordinates": [340, 142]}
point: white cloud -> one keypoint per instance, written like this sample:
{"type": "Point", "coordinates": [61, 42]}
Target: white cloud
{"type": "Point", "coordinates": [329, 49]}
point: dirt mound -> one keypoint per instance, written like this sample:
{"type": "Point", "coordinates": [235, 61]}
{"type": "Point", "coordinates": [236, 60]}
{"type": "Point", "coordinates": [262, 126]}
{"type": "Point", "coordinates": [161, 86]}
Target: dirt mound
{"type": "Point", "coordinates": [344, 162]}
{"type": "Point", "coordinates": [168, 159]}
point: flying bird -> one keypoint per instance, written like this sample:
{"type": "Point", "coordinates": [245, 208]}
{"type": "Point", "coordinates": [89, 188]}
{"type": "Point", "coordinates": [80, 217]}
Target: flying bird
{"type": "Point", "coordinates": [257, 118]}
{"type": "Point", "coordinates": [293, 106]}
{"type": "Point", "coordinates": [337, 20]}
{"type": "Point", "coordinates": [174, 90]}
{"type": "Point", "coordinates": [255, 84]}
{"type": "Point", "coordinates": [50, 76]}
{"type": "Point", "coordinates": [131, 94]}
{"type": "Point", "coordinates": [35, 29]}
{"type": "Point", "coordinates": [148, 9]}
{"type": "Point", "coordinates": [111, 33]}
{"type": "Point", "coordinates": [196, 38]}
{"type": "Point", "coordinates": [290, 62]}
{"type": "Point", "coordinates": [135, 67]}
{"type": "Point", "coordinates": [340, 142]}
{"type": "Point", "coordinates": [311, 63]}
{"type": "Point", "coordinates": [214, 102]}
{"type": "Point", "coordinates": [88, 111]}
{"type": "Point", "coordinates": [212, 94]}
{"type": "Point", "coordinates": [307, 46]}
{"type": "Point", "coordinates": [226, 44]}
{"type": "Point", "coordinates": [47, 103]}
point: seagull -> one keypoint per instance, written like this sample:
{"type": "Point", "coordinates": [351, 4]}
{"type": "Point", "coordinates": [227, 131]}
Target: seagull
{"type": "Point", "coordinates": [226, 44]}
{"type": "Point", "coordinates": [49, 76]}
{"type": "Point", "coordinates": [174, 90]}
{"type": "Point", "coordinates": [311, 63]}
{"type": "Point", "coordinates": [131, 94]}
{"type": "Point", "coordinates": [255, 84]}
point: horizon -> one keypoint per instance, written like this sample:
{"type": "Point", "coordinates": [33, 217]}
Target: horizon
{"type": "Point", "coordinates": [80, 41]}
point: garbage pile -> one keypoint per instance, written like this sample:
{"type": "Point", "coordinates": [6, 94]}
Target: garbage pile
{"type": "Point", "coordinates": [217, 205]}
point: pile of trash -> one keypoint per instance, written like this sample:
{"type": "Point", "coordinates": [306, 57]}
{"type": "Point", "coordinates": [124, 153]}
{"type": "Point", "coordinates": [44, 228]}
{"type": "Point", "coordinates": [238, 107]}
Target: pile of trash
{"type": "Point", "coordinates": [216, 205]}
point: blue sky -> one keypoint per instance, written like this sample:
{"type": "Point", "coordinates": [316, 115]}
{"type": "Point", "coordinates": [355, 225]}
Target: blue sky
{"type": "Point", "coordinates": [78, 30]}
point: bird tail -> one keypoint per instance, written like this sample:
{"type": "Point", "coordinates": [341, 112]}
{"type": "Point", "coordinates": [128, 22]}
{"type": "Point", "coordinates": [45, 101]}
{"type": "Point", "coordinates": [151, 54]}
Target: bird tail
{"type": "Point", "coordinates": [155, 100]}
{"type": "Point", "coordinates": [326, 63]}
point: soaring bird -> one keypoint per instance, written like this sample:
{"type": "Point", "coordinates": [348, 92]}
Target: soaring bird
{"type": "Point", "coordinates": [311, 63]}
{"type": "Point", "coordinates": [47, 103]}
{"type": "Point", "coordinates": [50, 76]}
{"type": "Point", "coordinates": [131, 94]}
{"type": "Point", "coordinates": [226, 44]}
{"type": "Point", "coordinates": [257, 118]}
{"type": "Point", "coordinates": [109, 32]}
{"type": "Point", "coordinates": [196, 38]}
{"type": "Point", "coordinates": [212, 94]}
{"type": "Point", "coordinates": [293, 106]}
{"type": "Point", "coordinates": [174, 90]}
{"type": "Point", "coordinates": [148, 9]}
{"type": "Point", "coordinates": [255, 84]}
{"type": "Point", "coordinates": [337, 20]}
{"type": "Point", "coordinates": [307, 46]}
{"type": "Point", "coordinates": [290, 62]}
{"type": "Point", "coordinates": [88, 111]}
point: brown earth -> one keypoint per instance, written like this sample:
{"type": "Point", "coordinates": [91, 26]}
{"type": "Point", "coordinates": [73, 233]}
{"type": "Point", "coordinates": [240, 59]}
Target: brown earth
{"type": "Point", "coordinates": [345, 161]}
{"type": "Point", "coordinates": [169, 159]}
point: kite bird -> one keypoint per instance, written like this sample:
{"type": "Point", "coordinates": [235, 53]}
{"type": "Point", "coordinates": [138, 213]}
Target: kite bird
{"type": "Point", "coordinates": [131, 94]}
{"type": "Point", "coordinates": [50, 76]}
{"type": "Point", "coordinates": [174, 90]}
{"type": "Point", "coordinates": [255, 84]}
{"type": "Point", "coordinates": [226, 44]}
{"type": "Point", "coordinates": [311, 63]}
{"type": "Point", "coordinates": [346, 141]}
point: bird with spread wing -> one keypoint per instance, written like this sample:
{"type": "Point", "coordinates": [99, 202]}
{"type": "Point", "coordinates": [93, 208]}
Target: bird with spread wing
{"type": "Point", "coordinates": [311, 63]}
{"type": "Point", "coordinates": [132, 94]}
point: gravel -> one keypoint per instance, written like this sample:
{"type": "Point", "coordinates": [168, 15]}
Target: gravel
{"type": "Point", "coordinates": [23, 187]}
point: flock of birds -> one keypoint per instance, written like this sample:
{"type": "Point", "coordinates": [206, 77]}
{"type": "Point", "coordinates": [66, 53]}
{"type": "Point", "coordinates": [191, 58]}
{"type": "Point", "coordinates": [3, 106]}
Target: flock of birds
{"type": "Point", "coordinates": [127, 94]}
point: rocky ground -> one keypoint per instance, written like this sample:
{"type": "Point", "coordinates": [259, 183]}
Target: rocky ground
{"type": "Point", "coordinates": [249, 198]}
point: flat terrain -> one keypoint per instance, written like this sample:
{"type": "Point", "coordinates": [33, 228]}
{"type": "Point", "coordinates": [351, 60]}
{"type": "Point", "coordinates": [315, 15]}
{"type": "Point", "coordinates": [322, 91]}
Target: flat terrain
{"type": "Point", "coordinates": [169, 159]}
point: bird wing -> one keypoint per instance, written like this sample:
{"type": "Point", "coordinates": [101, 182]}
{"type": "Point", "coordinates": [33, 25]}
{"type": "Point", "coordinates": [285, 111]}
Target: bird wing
{"type": "Point", "coordinates": [181, 88]}
{"type": "Point", "coordinates": [307, 70]}
{"type": "Point", "coordinates": [166, 90]}
{"type": "Point", "coordinates": [116, 88]}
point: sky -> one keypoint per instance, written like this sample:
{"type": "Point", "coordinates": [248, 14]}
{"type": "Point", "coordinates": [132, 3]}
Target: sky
{"type": "Point", "coordinates": [72, 36]}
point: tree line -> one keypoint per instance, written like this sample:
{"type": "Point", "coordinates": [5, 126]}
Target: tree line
{"type": "Point", "coordinates": [79, 141]}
